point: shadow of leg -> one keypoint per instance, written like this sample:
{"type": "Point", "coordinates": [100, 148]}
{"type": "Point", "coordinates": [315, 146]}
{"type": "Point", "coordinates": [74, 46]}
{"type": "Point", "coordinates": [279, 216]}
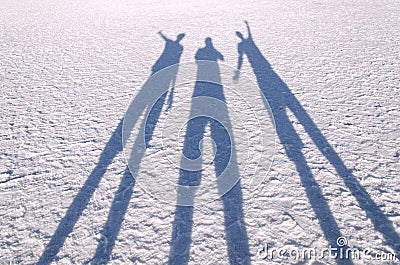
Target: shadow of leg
{"type": "Point", "coordinates": [235, 228]}
{"type": "Point", "coordinates": [380, 221]}
{"type": "Point", "coordinates": [315, 196]}
{"type": "Point", "coordinates": [181, 235]}
{"type": "Point", "coordinates": [115, 218]}
{"type": "Point", "coordinates": [183, 221]}
{"type": "Point", "coordinates": [153, 117]}
{"type": "Point", "coordinates": [67, 223]}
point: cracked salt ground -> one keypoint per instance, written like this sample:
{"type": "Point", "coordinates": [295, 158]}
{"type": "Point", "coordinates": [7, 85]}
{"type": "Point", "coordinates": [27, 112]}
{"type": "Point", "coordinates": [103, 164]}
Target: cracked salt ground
{"type": "Point", "coordinates": [69, 70]}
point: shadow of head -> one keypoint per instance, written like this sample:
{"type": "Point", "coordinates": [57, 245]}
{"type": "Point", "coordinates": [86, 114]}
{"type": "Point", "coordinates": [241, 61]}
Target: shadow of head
{"type": "Point", "coordinates": [240, 35]}
{"type": "Point", "coordinates": [180, 37]}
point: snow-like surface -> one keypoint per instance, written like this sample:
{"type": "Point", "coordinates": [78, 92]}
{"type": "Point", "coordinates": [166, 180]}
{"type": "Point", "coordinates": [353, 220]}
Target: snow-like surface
{"type": "Point", "coordinates": [70, 69]}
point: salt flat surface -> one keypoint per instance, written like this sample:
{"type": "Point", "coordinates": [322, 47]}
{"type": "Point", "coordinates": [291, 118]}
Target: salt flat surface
{"type": "Point", "coordinates": [69, 71]}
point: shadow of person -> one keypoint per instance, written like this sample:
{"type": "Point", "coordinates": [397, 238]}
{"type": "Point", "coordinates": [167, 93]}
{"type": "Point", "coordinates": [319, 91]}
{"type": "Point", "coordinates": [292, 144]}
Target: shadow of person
{"type": "Point", "coordinates": [170, 56]}
{"type": "Point", "coordinates": [141, 108]}
{"type": "Point", "coordinates": [281, 99]}
{"type": "Point", "coordinates": [224, 153]}
{"type": "Point", "coordinates": [162, 79]}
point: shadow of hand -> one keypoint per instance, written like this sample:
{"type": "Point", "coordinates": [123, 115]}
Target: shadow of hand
{"type": "Point", "coordinates": [236, 75]}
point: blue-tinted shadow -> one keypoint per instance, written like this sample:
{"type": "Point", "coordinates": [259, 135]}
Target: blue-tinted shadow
{"type": "Point", "coordinates": [81, 200]}
{"type": "Point", "coordinates": [170, 56]}
{"type": "Point", "coordinates": [236, 235]}
{"type": "Point", "coordinates": [280, 98]}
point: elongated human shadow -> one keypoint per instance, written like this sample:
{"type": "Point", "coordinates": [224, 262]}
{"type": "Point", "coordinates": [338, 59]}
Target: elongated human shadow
{"type": "Point", "coordinates": [280, 98]}
{"type": "Point", "coordinates": [67, 223]}
{"type": "Point", "coordinates": [121, 200]}
{"type": "Point", "coordinates": [170, 56]}
{"type": "Point", "coordinates": [224, 151]}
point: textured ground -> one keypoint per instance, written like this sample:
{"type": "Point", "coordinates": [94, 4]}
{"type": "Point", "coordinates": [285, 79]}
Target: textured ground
{"type": "Point", "coordinates": [70, 69]}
